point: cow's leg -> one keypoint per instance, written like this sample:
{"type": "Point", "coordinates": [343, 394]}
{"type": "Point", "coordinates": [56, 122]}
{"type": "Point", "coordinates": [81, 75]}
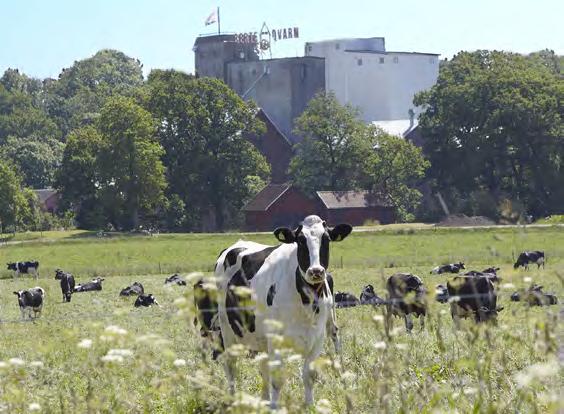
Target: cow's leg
{"type": "Point", "coordinates": [22, 310]}
{"type": "Point", "coordinates": [422, 321]}
{"type": "Point", "coordinates": [265, 374]}
{"type": "Point", "coordinates": [333, 331]}
{"type": "Point", "coordinates": [276, 375]}
{"type": "Point", "coordinates": [230, 368]}
{"type": "Point", "coordinates": [308, 377]}
{"type": "Point", "coordinates": [454, 314]}
{"type": "Point", "coordinates": [408, 322]}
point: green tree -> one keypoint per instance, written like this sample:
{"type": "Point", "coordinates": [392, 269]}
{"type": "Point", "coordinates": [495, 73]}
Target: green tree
{"type": "Point", "coordinates": [493, 124]}
{"type": "Point", "coordinates": [201, 123]}
{"type": "Point", "coordinates": [336, 150]}
{"type": "Point", "coordinates": [132, 176]}
{"type": "Point", "coordinates": [13, 201]}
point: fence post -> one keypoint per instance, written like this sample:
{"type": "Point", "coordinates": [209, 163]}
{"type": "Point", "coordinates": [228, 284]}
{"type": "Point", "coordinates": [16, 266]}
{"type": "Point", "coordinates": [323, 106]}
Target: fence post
{"type": "Point", "coordinates": [160, 271]}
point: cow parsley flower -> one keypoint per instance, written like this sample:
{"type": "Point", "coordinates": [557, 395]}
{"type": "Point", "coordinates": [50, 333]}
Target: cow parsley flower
{"type": "Point", "coordinates": [295, 358]}
{"type": "Point", "coordinates": [378, 318]}
{"type": "Point", "coordinates": [36, 364]}
{"type": "Point", "coordinates": [34, 407]}
{"type": "Point", "coordinates": [115, 330]}
{"type": "Point", "coordinates": [112, 358]}
{"type": "Point", "coordinates": [85, 344]}
{"type": "Point", "coordinates": [380, 345]}
{"type": "Point", "coordinates": [179, 363]}
{"type": "Point", "coordinates": [527, 279]}
{"type": "Point", "coordinates": [3, 364]}
{"type": "Point", "coordinates": [121, 352]}
{"type": "Point", "coordinates": [16, 361]}
{"type": "Point", "coordinates": [508, 286]}
{"type": "Point", "coordinates": [323, 406]}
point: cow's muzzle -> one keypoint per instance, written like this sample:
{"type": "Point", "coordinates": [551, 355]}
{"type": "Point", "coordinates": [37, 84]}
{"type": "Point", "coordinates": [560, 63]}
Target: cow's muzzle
{"type": "Point", "coordinates": [315, 274]}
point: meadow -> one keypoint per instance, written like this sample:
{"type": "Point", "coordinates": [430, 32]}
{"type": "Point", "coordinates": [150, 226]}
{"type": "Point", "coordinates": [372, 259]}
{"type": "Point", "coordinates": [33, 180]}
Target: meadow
{"type": "Point", "coordinates": [100, 354]}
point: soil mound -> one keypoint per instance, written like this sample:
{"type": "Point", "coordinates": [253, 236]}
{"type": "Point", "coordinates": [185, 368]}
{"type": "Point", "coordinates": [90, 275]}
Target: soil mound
{"type": "Point", "coordinates": [458, 220]}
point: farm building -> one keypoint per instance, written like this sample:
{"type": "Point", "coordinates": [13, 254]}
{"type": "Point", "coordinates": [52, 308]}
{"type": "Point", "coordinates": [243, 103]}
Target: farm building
{"type": "Point", "coordinates": [48, 199]}
{"type": "Point", "coordinates": [280, 205]}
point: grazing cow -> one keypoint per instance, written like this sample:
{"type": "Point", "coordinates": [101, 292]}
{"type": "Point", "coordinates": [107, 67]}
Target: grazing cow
{"type": "Point", "coordinates": [24, 267]}
{"type": "Point", "coordinates": [369, 297]}
{"type": "Point", "coordinates": [472, 296]}
{"type": "Point", "coordinates": [135, 289]}
{"type": "Point", "coordinates": [345, 300]}
{"type": "Point", "coordinates": [288, 283]}
{"type": "Point", "coordinates": [491, 270]}
{"type": "Point", "coordinates": [30, 300]}
{"type": "Point", "coordinates": [205, 301]}
{"type": "Point", "coordinates": [489, 275]}
{"type": "Point", "coordinates": [534, 296]}
{"type": "Point", "coordinates": [448, 268]}
{"type": "Point", "coordinates": [95, 284]}
{"type": "Point", "coordinates": [175, 279]}
{"type": "Point", "coordinates": [406, 295]}
{"type": "Point", "coordinates": [67, 284]}
{"type": "Point", "coordinates": [525, 258]}
{"type": "Point", "coordinates": [146, 300]}
{"type": "Point", "coordinates": [442, 294]}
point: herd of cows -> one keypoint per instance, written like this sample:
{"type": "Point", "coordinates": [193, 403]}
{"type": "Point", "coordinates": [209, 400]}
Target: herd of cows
{"type": "Point", "coordinates": [261, 292]}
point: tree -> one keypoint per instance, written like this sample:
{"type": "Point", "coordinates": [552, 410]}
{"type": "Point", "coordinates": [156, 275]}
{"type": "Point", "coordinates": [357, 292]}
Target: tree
{"type": "Point", "coordinates": [493, 125]}
{"type": "Point", "coordinates": [336, 150]}
{"type": "Point", "coordinates": [13, 201]}
{"type": "Point", "coordinates": [132, 176]}
{"type": "Point", "coordinates": [201, 123]}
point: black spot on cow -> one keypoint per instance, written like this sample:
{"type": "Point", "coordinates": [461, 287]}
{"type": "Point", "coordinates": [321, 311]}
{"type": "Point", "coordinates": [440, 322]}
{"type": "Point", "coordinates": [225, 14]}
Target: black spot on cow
{"type": "Point", "coordinates": [270, 295]}
{"type": "Point", "coordinates": [311, 293]}
{"type": "Point", "coordinates": [231, 257]}
{"type": "Point", "coordinates": [237, 303]}
{"type": "Point", "coordinates": [251, 263]}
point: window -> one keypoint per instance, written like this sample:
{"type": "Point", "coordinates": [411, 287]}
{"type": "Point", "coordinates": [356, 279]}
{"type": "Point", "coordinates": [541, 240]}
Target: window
{"type": "Point", "coordinates": [359, 62]}
{"type": "Point", "coordinates": [309, 48]}
{"type": "Point", "coordinates": [381, 60]}
{"type": "Point", "coordinates": [396, 59]}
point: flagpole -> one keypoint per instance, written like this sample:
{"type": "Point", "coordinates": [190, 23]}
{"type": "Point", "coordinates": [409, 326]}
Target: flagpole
{"type": "Point", "coordinates": [218, 23]}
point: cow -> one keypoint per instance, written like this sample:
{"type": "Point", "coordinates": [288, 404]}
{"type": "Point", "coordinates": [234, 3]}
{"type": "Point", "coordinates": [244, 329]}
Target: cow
{"type": "Point", "coordinates": [406, 295]}
{"type": "Point", "coordinates": [369, 297]}
{"type": "Point", "coordinates": [95, 284]}
{"type": "Point", "coordinates": [287, 283]}
{"type": "Point", "coordinates": [135, 289]}
{"type": "Point", "coordinates": [442, 294]}
{"type": "Point", "coordinates": [146, 300]}
{"type": "Point", "coordinates": [175, 279]}
{"type": "Point", "coordinates": [24, 267]}
{"type": "Point", "coordinates": [489, 275]}
{"type": "Point", "coordinates": [205, 301]}
{"type": "Point", "coordinates": [525, 258]}
{"type": "Point", "coordinates": [534, 296]}
{"type": "Point", "coordinates": [30, 300]}
{"type": "Point", "coordinates": [345, 300]}
{"type": "Point", "coordinates": [472, 296]}
{"type": "Point", "coordinates": [67, 284]}
{"type": "Point", "coordinates": [448, 268]}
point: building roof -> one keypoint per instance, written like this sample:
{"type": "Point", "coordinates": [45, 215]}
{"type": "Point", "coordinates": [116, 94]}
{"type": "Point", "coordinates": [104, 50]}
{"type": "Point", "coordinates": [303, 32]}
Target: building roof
{"type": "Point", "coordinates": [398, 127]}
{"type": "Point", "coordinates": [266, 197]}
{"type": "Point", "coordinates": [383, 52]}
{"type": "Point", "coordinates": [44, 194]}
{"type": "Point", "coordinates": [269, 119]}
{"type": "Point", "coordinates": [350, 199]}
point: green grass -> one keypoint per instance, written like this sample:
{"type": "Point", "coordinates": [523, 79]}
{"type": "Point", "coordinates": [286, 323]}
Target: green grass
{"type": "Point", "coordinates": [439, 369]}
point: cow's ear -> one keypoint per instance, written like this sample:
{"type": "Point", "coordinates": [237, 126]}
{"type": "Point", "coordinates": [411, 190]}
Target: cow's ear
{"type": "Point", "coordinates": [16, 293]}
{"type": "Point", "coordinates": [285, 235]}
{"type": "Point", "coordinates": [340, 232]}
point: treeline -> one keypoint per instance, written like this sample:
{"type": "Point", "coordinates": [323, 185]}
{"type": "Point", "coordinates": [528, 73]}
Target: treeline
{"type": "Point", "coordinates": [170, 151]}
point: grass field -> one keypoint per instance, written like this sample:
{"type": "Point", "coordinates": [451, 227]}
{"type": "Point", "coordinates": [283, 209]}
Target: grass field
{"type": "Point", "coordinates": [100, 354]}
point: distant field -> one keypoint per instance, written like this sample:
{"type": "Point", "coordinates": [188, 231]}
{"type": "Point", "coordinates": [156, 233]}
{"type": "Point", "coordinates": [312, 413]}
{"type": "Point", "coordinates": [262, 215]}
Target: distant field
{"type": "Point", "coordinates": [511, 367]}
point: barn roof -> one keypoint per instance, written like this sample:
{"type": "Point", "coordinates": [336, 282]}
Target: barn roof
{"type": "Point", "coordinates": [350, 199]}
{"type": "Point", "coordinates": [44, 194]}
{"type": "Point", "coordinates": [266, 197]}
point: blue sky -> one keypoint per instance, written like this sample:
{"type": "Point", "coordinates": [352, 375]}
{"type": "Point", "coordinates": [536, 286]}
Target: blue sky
{"type": "Point", "coordinates": [41, 37]}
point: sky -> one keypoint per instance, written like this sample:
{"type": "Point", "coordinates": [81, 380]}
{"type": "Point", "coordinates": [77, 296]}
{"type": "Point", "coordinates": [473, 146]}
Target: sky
{"type": "Point", "coordinates": [41, 37]}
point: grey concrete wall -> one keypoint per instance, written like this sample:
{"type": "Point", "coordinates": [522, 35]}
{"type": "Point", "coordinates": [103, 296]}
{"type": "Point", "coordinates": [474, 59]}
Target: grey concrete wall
{"type": "Point", "coordinates": [284, 92]}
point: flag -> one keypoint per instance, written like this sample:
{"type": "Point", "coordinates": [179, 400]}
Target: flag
{"type": "Point", "coordinates": [212, 18]}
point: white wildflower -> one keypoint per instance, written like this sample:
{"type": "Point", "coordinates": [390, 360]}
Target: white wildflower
{"type": "Point", "coordinates": [508, 286]}
{"type": "Point", "coordinates": [3, 364]}
{"type": "Point", "coordinates": [273, 325]}
{"type": "Point", "coordinates": [378, 318]}
{"type": "Point", "coordinates": [121, 352]}
{"type": "Point", "coordinates": [237, 350]}
{"type": "Point", "coordinates": [85, 343]}
{"type": "Point", "coordinates": [180, 302]}
{"type": "Point", "coordinates": [34, 407]}
{"type": "Point", "coordinates": [179, 363]}
{"type": "Point", "coordinates": [323, 406]}
{"type": "Point", "coordinates": [401, 347]}
{"type": "Point", "coordinates": [249, 401]}
{"type": "Point", "coordinates": [261, 356]}
{"type": "Point", "coordinates": [536, 371]}
{"type": "Point", "coordinates": [470, 391]}
{"type": "Point", "coordinates": [527, 279]}
{"type": "Point", "coordinates": [115, 330]}
{"type": "Point", "coordinates": [36, 364]}
{"type": "Point", "coordinates": [16, 361]}
{"type": "Point", "coordinates": [443, 312]}
{"type": "Point", "coordinates": [348, 376]}
{"type": "Point", "coordinates": [112, 358]}
{"type": "Point", "coordinates": [380, 345]}
{"type": "Point", "coordinates": [294, 358]}
{"type": "Point", "coordinates": [274, 364]}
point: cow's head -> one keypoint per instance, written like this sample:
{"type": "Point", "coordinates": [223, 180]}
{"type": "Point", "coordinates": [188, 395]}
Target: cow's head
{"type": "Point", "coordinates": [59, 274]}
{"type": "Point", "coordinates": [313, 237]}
{"type": "Point", "coordinates": [11, 266]}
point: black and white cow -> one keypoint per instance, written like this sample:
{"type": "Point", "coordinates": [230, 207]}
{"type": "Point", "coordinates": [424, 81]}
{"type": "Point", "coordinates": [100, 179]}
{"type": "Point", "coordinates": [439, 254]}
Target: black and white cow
{"type": "Point", "coordinates": [369, 297]}
{"type": "Point", "coordinates": [30, 300]}
{"type": "Point", "coordinates": [345, 300]}
{"type": "Point", "coordinates": [287, 283]}
{"type": "Point", "coordinates": [67, 284]}
{"type": "Point", "coordinates": [146, 300]}
{"type": "Point", "coordinates": [535, 296]}
{"type": "Point", "coordinates": [489, 273]}
{"type": "Point", "coordinates": [525, 258]}
{"type": "Point", "coordinates": [448, 268]}
{"type": "Point", "coordinates": [472, 296]}
{"type": "Point", "coordinates": [205, 301]}
{"type": "Point", "coordinates": [95, 284]}
{"type": "Point", "coordinates": [175, 279]}
{"type": "Point", "coordinates": [135, 289]}
{"type": "Point", "coordinates": [441, 294]}
{"type": "Point", "coordinates": [25, 267]}
{"type": "Point", "coordinates": [406, 296]}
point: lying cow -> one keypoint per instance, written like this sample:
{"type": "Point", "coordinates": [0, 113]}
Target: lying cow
{"type": "Point", "coordinates": [67, 284]}
{"type": "Point", "coordinates": [345, 300]}
{"type": "Point", "coordinates": [448, 268]}
{"type": "Point", "coordinates": [406, 296]}
{"type": "Point", "coordinates": [135, 289]}
{"type": "Point", "coordinates": [525, 258]}
{"type": "Point", "coordinates": [442, 294]}
{"type": "Point", "coordinates": [369, 297]}
{"type": "Point", "coordinates": [472, 296]}
{"type": "Point", "coordinates": [534, 296]}
{"type": "Point", "coordinates": [95, 284]}
{"type": "Point", "coordinates": [146, 300]}
{"type": "Point", "coordinates": [288, 283]}
{"type": "Point", "coordinates": [30, 300]}
{"type": "Point", "coordinates": [24, 267]}
{"type": "Point", "coordinates": [176, 280]}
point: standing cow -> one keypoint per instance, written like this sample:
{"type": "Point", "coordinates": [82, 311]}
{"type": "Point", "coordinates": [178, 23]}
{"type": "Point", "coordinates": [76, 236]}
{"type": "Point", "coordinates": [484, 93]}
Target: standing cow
{"type": "Point", "coordinates": [30, 300]}
{"type": "Point", "coordinates": [525, 258]}
{"type": "Point", "coordinates": [67, 284]}
{"type": "Point", "coordinates": [406, 296]}
{"type": "Point", "coordinates": [288, 283]}
{"type": "Point", "coordinates": [24, 267]}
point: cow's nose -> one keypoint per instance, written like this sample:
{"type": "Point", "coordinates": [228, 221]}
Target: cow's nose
{"type": "Point", "coordinates": [316, 271]}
